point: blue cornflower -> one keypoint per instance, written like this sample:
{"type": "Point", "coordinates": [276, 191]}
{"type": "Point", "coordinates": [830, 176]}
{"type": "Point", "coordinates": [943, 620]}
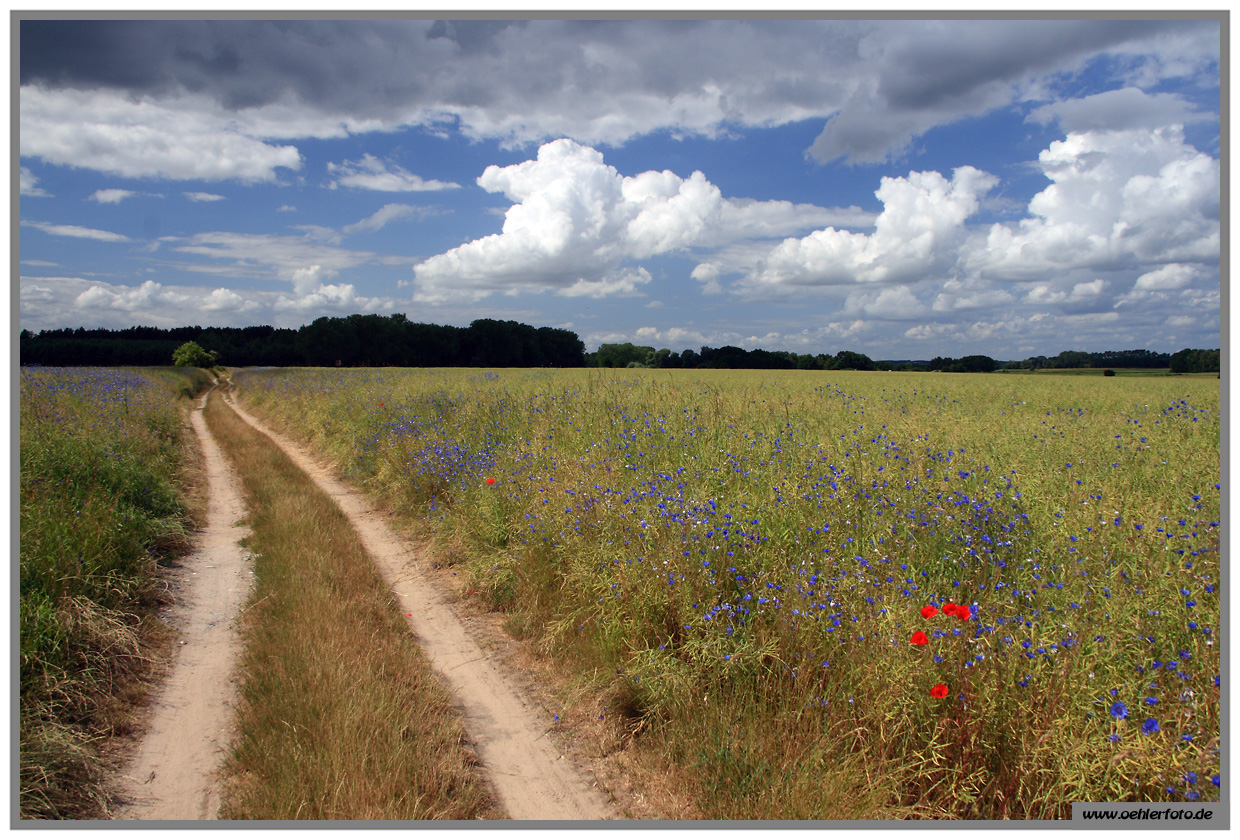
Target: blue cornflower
{"type": "Point", "coordinates": [1190, 777]}
{"type": "Point", "coordinates": [1113, 737]}
{"type": "Point", "coordinates": [1150, 726]}
{"type": "Point", "coordinates": [1151, 701]}
{"type": "Point", "coordinates": [1119, 711]}
{"type": "Point", "coordinates": [1215, 780]}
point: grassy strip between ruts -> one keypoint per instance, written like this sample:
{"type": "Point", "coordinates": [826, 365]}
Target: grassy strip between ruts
{"type": "Point", "coordinates": [341, 716]}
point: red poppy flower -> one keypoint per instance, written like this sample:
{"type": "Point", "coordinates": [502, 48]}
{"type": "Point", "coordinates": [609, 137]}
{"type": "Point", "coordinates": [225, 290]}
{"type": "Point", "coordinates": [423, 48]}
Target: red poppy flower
{"type": "Point", "coordinates": [490, 481]}
{"type": "Point", "coordinates": [929, 611]}
{"type": "Point", "coordinates": [964, 613]}
{"type": "Point", "coordinates": [919, 638]}
{"type": "Point", "coordinates": [949, 608]}
{"type": "Point", "coordinates": [939, 691]}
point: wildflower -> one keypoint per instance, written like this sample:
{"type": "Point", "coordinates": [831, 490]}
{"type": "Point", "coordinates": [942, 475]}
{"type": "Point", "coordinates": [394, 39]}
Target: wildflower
{"type": "Point", "coordinates": [1150, 726]}
{"type": "Point", "coordinates": [920, 638]}
{"type": "Point", "coordinates": [1119, 711]}
{"type": "Point", "coordinates": [490, 481]}
{"type": "Point", "coordinates": [939, 691]}
{"type": "Point", "coordinates": [929, 611]}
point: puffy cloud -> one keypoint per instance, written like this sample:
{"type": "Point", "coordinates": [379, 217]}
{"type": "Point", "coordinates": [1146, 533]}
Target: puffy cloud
{"type": "Point", "coordinates": [1080, 293]}
{"type": "Point", "coordinates": [1171, 276]}
{"type": "Point", "coordinates": [1118, 110]}
{"type": "Point", "coordinates": [76, 231]}
{"type": "Point", "coordinates": [896, 303]}
{"type": "Point", "coordinates": [183, 138]}
{"type": "Point", "coordinates": [310, 279]}
{"type": "Point", "coordinates": [969, 293]}
{"type": "Point", "coordinates": [127, 298]}
{"type": "Point", "coordinates": [370, 173]}
{"type": "Point", "coordinates": [575, 219]}
{"type": "Point", "coordinates": [917, 234]}
{"type": "Point", "coordinates": [226, 300]}
{"type": "Point", "coordinates": [620, 283]}
{"type": "Point", "coordinates": [28, 184]}
{"type": "Point", "coordinates": [1116, 198]}
{"type": "Point", "coordinates": [114, 196]}
{"type": "Point", "coordinates": [203, 196]}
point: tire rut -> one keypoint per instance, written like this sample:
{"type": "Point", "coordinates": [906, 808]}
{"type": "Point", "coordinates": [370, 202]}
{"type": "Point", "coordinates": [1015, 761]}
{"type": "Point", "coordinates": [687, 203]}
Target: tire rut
{"type": "Point", "coordinates": [531, 778]}
{"type": "Point", "coordinates": [172, 774]}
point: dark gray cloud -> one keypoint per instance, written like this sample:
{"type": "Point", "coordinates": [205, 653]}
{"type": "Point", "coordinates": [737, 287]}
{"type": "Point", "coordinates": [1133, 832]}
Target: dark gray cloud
{"type": "Point", "coordinates": [931, 73]}
{"type": "Point", "coordinates": [876, 84]}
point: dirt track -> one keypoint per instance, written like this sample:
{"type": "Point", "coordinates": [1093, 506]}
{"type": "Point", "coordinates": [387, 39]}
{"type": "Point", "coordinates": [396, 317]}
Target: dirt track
{"type": "Point", "coordinates": [172, 775]}
{"type": "Point", "coordinates": [171, 778]}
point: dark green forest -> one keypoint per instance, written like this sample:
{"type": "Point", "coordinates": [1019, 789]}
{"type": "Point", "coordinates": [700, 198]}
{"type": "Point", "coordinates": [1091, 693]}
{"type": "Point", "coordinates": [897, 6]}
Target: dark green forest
{"type": "Point", "coordinates": [395, 341]}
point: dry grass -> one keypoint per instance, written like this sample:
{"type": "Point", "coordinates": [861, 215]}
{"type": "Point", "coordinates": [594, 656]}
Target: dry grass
{"type": "Point", "coordinates": [341, 715]}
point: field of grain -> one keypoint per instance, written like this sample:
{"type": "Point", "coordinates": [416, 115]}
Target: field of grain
{"type": "Point", "coordinates": [831, 594]}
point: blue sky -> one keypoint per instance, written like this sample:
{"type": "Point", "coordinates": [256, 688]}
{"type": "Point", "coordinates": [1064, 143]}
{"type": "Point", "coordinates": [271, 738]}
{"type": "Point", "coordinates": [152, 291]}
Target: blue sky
{"type": "Point", "coordinates": [902, 188]}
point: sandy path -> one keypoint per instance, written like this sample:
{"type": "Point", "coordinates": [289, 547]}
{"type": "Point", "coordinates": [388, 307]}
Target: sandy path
{"type": "Point", "coordinates": [531, 778]}
{"type": "Point", "coordinates": [172, 775]}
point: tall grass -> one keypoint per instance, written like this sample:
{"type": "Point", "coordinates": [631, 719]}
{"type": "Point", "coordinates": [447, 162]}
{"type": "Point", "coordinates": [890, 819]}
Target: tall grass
{"type": "Point", "coordinates": [105, 456]}
{"type": "Point", "coordinates": [738, 561]}
{"type": "Point", "coordinates": [341, 717]}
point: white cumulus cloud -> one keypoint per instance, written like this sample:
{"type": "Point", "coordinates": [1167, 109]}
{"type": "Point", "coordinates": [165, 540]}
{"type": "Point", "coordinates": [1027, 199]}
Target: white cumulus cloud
{"type": "Point", "coordinates": [917, 234]}
{"type": "Point", "coordinates": [575, 220]}
{"type": "Point", "coordinates": [1116, 198]}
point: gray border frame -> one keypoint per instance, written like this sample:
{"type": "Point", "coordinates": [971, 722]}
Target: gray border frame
{"type": "Point", "coordinates": [1219, 822]}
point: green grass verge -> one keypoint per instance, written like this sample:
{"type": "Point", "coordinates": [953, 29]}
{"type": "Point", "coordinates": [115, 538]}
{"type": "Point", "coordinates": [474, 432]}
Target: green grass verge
{"type": "Point", "coordinates": [106, 457]}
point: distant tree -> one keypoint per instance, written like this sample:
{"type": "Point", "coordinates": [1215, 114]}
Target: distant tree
{"type": "Point", "coordinates": [848, 360]}
{"type": "Point", "coordinates": [977, 364]}
{"type": "Point", "coordinates": [190, 354]}
{"type": "Point", "coordinates": [1196, 361]}
{"type": "Point", "coordinates": [624, 355]}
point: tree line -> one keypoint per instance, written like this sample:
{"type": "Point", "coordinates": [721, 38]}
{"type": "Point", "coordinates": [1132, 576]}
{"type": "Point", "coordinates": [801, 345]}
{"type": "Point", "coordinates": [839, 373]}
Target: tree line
{"type": "Point", "coordinates": [352, 341]}
{"type": "Point", "coordinates": [395, 341]}
{"type": "Point", "coordinates": [631, 355]}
